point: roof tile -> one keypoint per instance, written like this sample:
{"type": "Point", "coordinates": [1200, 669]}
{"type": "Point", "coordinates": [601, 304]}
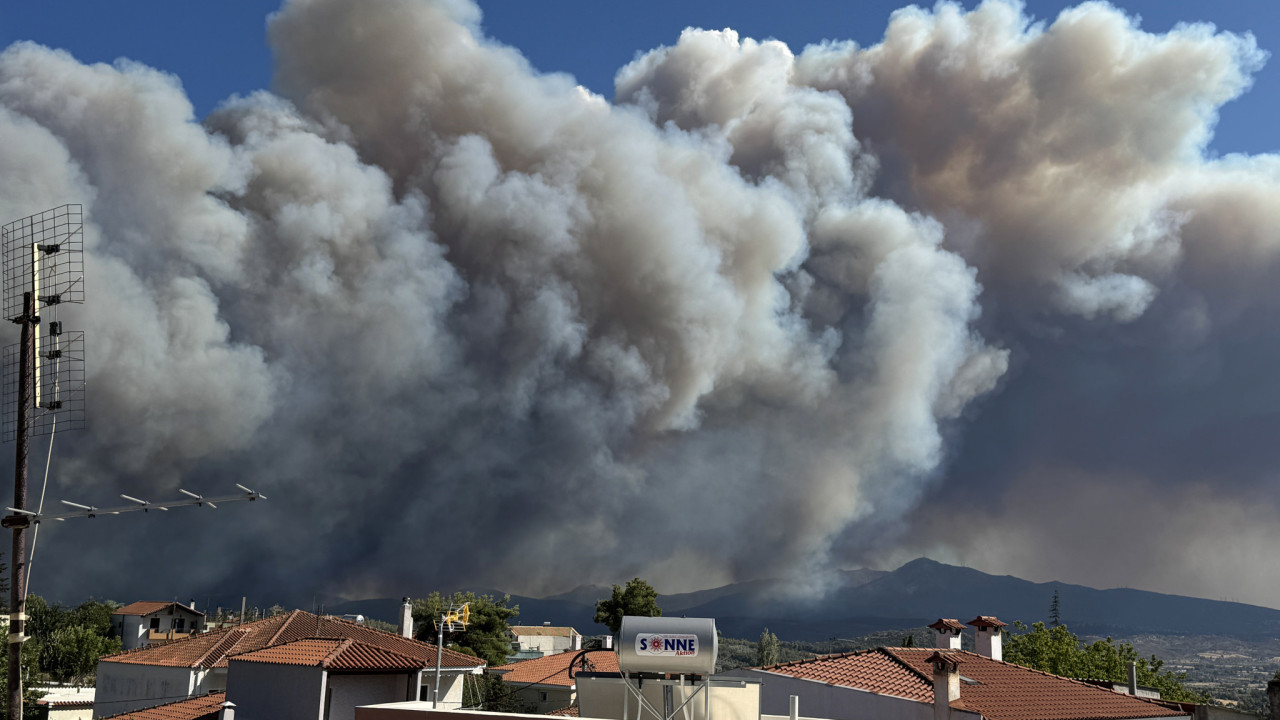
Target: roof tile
{"type": "Point", "coordinates": [146, 607]}
{"type": "Point", "coordinates": [554, 669]}
{"type": "Point", "coordinates": [998, 690]}
{"type": "Point", "coordinates": [211, 649]}
{"type": "Point", "coordinates": [333, 654]}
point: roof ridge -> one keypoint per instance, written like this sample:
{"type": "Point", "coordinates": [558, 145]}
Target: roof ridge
{"type": "Point", "coordinates": [336, 651]}
{"type": "Point", "coordinates": [167, 643]}
{"type": "Point", "coordinates": [817, 658]}
{"type": "Point", "coordinates": [388, 651]}
{"type": "Point", "coordinates": [238, 632]}
{"type": "Point", "coordinates": [335, 618]}
{"type": "Point", "coordinates": [899, 661]}
{"type": "Point", "coordinates": [292, 614]}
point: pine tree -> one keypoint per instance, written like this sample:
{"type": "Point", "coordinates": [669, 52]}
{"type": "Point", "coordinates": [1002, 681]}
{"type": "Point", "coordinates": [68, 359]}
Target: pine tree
{"type": "Point", "coordinates": [767, 649]}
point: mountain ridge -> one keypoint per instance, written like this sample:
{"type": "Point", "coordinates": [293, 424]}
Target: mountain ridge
{"type": "Point", "coordinates": [918, 592]}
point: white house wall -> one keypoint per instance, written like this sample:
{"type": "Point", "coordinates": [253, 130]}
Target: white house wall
{"type": "Point", "coordinates": [126, 686]}
{"type": "Point", "coordinates": [262, 691]}
{"type": "Point", "coordinates": [450, 687]}
{"type": "Point", "coordinates": [349, 691]}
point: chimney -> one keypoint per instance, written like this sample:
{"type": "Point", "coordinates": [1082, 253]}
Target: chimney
{"type": "Point", "coordinates": [795, 707]}
{"type": "Point", "coordinates": [192, 604]}
{"type": "Point", "coordinates": [228, 711]}
{"type": "Point", "coordinates": [1133, 678]}
{"type": "Point", "coordinates": [406, 619]}
{"type": "Point", "coordinates": [946, 683]}
{"type": "Point", "coordinates": [987, 631]}
{"type": "Point", "coordinates": [948, 633]}
{"type": "Point", "coordinates": [607, 642]}
{"type": "Point", "coordinates": [546, 623]}
{"type": "Point", "coordinates": [577, 641]}
{"type": "Point", "coordinates": [1273, 695]}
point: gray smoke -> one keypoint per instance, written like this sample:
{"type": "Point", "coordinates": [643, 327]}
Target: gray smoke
{"type": "Point", "coordinates": [466, 322]}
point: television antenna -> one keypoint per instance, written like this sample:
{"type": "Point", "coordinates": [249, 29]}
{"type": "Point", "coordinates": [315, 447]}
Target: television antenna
{"type": "Point", "coordinates": [454, 619]}
{"type": "Point", "coordinates": [44, 389]}
{"type": "Point", "coordinates": [43, 269]}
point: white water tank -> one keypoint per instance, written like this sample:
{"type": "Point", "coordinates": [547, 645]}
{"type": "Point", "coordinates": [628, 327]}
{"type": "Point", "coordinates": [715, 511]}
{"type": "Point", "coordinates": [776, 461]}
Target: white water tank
{"type": "Point", "coordinates": [679, 646]}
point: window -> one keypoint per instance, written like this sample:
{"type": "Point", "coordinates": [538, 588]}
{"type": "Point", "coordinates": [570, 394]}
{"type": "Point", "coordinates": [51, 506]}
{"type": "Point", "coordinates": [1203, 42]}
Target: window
{"type": "Point", "coordinates": [542, 696]}
{"type": "Point", "coordinates": [179, 624]}
{"type": "Point", "coordinates": [155, 623]}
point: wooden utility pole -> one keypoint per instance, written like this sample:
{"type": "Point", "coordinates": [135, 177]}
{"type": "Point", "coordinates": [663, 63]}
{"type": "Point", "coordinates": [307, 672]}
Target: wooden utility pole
{"type": "Point", "coordinates": [18, 558]}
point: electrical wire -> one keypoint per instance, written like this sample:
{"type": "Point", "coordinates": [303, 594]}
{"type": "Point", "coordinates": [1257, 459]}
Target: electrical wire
{"type": "Point", "coordinates": [35, 535]}
{"type": "Point", "coordinates": [535, 682]}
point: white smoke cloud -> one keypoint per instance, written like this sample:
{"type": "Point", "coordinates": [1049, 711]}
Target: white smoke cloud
{"type": "Point", "coordinates": [430, 299]}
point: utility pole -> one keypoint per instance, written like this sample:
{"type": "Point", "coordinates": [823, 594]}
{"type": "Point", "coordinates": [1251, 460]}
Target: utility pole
{"type": "Point", "coordinates": [18, 558]}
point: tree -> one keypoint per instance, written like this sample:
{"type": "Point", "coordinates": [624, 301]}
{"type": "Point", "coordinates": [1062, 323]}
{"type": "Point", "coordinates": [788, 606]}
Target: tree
{"type": "Point", "coordinates": [68, 641]}
{"type": "Point", "coordinates": [72, 653]}
{"type": "Point", "coordinates": [1055, 611]}
{"type": "Point", "coordinates": [1057, 650]}
{"type": "Point", "coordinates": [489, 693]}
{"type": "Point", "coordinates": [767, 649]}
{"type": "Point", "coordinates": [486, 634]}
{"type": "Point", "coordinates": [638, 598]}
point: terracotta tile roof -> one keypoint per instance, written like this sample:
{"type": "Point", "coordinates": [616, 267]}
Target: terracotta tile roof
{"type": "Point", "coordinates": [543, 631]}
{"type": "Point", "coordinates": [947, 624]}
{"type": "Point", "coordinates": [211, 649]}
{"type": "Point", "coordinates": [333, 654]}
{"type": "Point", "coordinates": [205, 707]}
{"type": "Point", "coordinates": [571, 711]}
{"type": "Point", "coordinates": [145, 607]}
{"type": "Point", "coordinates": [987, 621]}
{"type": "Point", "coordinates": [554, 669]}
{"type": "Point", "coordinates": [997, 690]}
{"type": "Point", "coordinates": [873, 670]}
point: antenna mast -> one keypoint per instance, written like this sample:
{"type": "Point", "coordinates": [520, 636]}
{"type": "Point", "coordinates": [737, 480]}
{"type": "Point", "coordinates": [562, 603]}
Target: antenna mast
{"type": "Point", "coordinates": [43, 268]}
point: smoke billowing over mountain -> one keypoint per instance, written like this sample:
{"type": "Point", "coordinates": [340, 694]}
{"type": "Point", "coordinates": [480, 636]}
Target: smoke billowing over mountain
{"type": "Point", "coordinates": [765, 314]}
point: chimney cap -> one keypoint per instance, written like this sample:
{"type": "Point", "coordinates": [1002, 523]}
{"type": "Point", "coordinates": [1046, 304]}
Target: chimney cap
{"type": "Point", "coordinates": [944, 624]}
{"type": "Point", "coordinates": [943, 661]}
{"type": "Point", "coordinates": [987, 621]}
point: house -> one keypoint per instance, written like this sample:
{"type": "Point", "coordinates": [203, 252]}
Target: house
{"type": "Point", "coordinates": [943, 683]}
{"type": "Point", "coordinates": [531, 641]}
{"type": "Point", "coordinates": [142, 623]}
{"type": "Point", "coordinates": [295, 680]}
{"type": "Point", "coordinates": [232, 660]}
{"type": "Point", "coordinates": [64, 702]}
{"type": "Point", "coordinates": [544, 684]}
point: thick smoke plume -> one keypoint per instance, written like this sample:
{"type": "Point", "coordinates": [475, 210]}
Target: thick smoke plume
{"type": "Point", "coordinates": [466, 322]}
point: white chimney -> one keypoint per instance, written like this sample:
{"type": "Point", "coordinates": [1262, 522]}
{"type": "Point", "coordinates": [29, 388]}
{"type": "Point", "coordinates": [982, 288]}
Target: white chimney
{"type": "Point", "coordinates": [228, 711]}
{"type": "Point", "coordinates": [406, 619]}
{"type": "Point", "coordinates": [946, 683]}
{"type": "Point", "coordinates": [795, 707]}
{"type": "Point", "coordinates": [948, 632]}
{"type": "Point", "coordinates": [577, 641]}
{"type": "Point", "coordinates": [988, 631]}
{"type": "Point", "coordinates": [607, 642]}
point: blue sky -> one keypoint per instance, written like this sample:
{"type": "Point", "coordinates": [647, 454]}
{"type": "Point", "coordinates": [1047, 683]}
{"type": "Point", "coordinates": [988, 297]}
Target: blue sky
{"type": "Point", "coordinates": [219, 49]}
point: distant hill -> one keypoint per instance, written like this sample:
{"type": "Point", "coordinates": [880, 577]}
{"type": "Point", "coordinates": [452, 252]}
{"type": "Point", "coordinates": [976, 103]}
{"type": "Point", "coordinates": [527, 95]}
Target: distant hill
{"type": "Point", "coordinates": [866, 601]}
